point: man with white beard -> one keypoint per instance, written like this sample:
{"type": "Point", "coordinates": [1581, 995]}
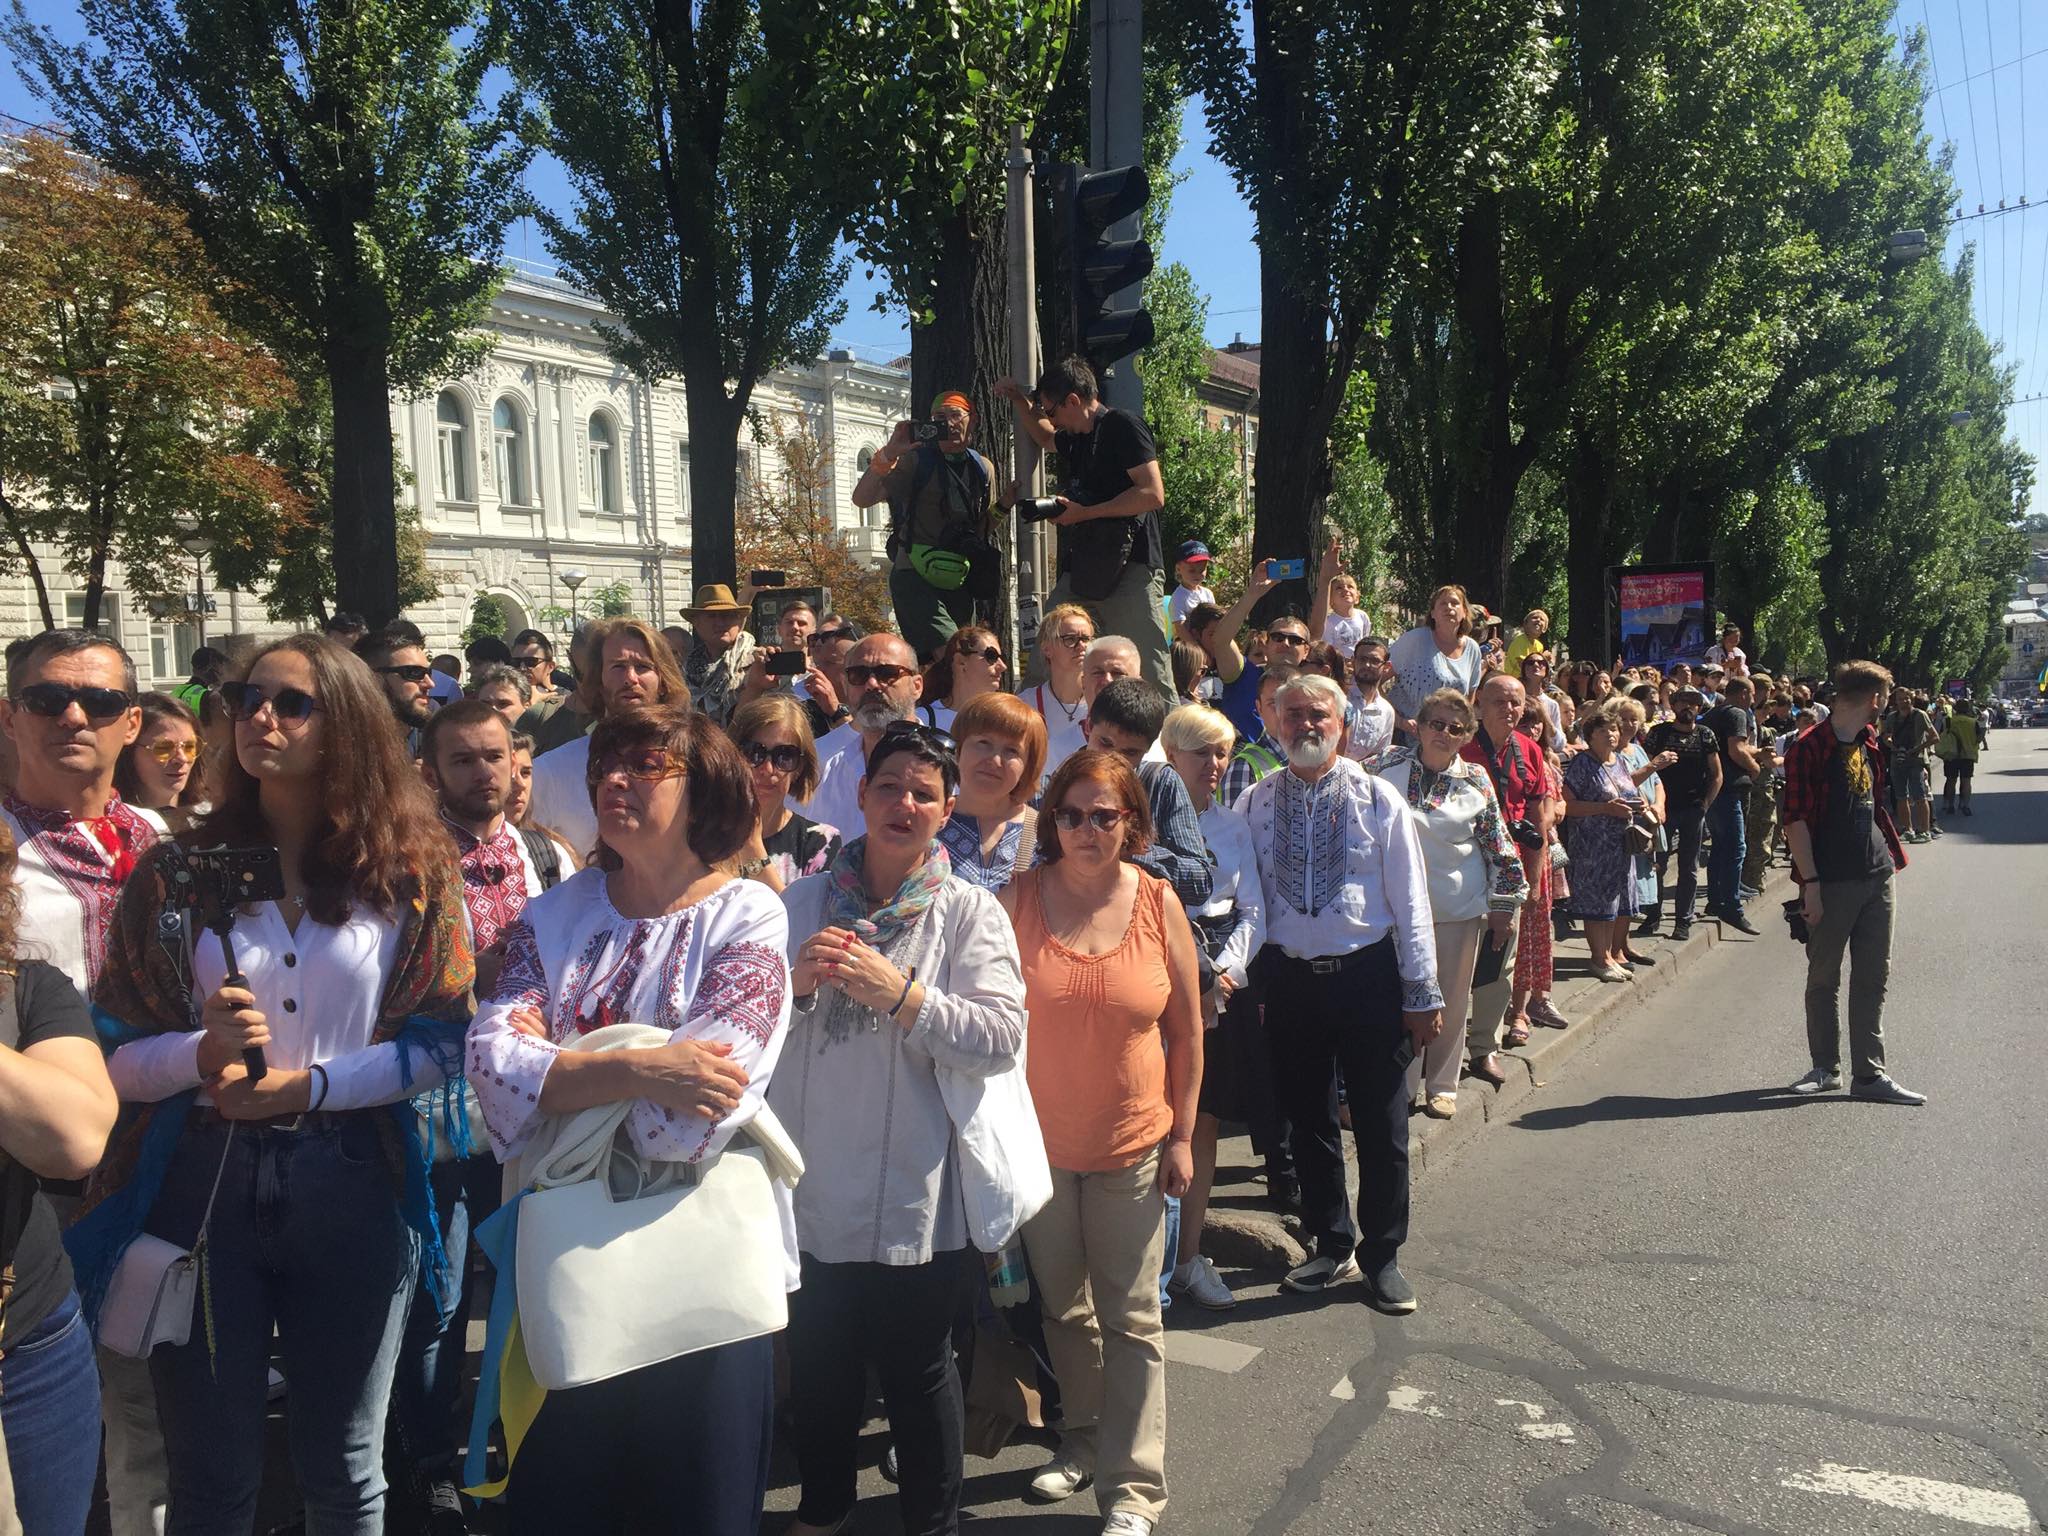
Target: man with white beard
{"type": "Point", "coordinates": [1351, 981]}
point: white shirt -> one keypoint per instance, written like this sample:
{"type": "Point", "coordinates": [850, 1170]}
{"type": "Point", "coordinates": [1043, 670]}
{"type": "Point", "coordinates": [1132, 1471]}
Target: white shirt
{"type": "Point", "coordinates": [1065, 733]}
{"type": "Point", "coordinates": [1229, 837]}
{"type": "Point", "coordinates": [64, 917]}
{"type": "Point", "coordinates": [561, 795]}
{"type": "Point", "coordinates": [1340, 869]}
{"type": "Point", "coordinates": [842, 762]}
{"type": "Point", "coordinates": [1372, 728]}
{"type": "Point", "coordinates": [1727, 656]}
{"type": "Point", "coordinates": [1183, 600]}
{"type": "Point", "coordinates": [320, 989]}
{"type": "Point", "coordinates": [1345, 630]}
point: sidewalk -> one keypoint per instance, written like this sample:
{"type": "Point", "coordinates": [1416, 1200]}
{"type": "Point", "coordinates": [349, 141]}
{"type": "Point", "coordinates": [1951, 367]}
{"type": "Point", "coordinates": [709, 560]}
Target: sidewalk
{"type": "Point", "coordinates": [1243, 1231]}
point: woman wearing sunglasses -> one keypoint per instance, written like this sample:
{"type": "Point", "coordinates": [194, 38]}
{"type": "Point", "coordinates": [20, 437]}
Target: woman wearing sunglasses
{"type": "Point", "coordinates": [1115, 1066]}
{"type": "Point", "coordinates": [774, 736]}
{"type": "Point", "coordinates": [901, 972]}
{"type": "Point", "coordinates": [354, 989]}
{"type": "Point", "coordinates": [968, 665]}
{"type": "Point", "coordinates": [655, 930]}
{"type": "Point", "coordinates": [1477, 883]}
{"type": "Point", "coordinates": [159, 770]}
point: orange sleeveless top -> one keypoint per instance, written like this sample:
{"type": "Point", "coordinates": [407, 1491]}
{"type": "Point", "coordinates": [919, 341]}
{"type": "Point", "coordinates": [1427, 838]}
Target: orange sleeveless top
{"type": "Point", "coordinates": [1097, 1062]}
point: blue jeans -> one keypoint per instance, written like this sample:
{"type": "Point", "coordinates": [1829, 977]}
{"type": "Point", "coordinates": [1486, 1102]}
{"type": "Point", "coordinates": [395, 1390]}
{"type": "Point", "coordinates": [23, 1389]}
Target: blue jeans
{"type": "Point", "coordinates": [52, 1397]}
{"type": "Point", "coordinates": [424, 1405]}
{"type": "Point", "coordinates": [306, 1238]}
{"type": "Point", "coordinates": [1724, 861]}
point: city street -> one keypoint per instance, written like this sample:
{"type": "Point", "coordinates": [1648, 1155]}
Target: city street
{"type": "Point", "coordinates": [1668, 1296]}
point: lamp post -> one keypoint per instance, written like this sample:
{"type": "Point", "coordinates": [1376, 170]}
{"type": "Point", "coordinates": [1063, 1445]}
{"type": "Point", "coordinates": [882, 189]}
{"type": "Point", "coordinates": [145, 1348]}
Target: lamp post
{"type": "Point", "coordinates": [196, 544]}
{"type": "Point", "coordinates": [573, 579]}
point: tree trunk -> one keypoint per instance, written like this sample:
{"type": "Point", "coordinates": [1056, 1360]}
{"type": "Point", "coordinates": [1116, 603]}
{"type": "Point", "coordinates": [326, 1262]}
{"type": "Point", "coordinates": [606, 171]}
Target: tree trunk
{"type": "Point", "coordinates": [29, 561]}
{"type": "Point", "coordinates": [715, 422]}
{"type": "Point", "coordinates": [1490, 476]}
{"type": "Point", "coordinates": [968, 341]}
{"type": "Point", "coordinates": [1291, 475]}
{"type": "Point", "coordinates": [1588, 498]}
{"type": "Point", "coordinates": [365, 497]}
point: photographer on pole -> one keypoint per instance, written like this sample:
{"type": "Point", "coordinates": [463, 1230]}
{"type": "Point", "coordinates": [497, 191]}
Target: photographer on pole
{"type": "Point", "coordinates": [942, 505]}
{"type": "Point", "coordinates": [1112, 560]}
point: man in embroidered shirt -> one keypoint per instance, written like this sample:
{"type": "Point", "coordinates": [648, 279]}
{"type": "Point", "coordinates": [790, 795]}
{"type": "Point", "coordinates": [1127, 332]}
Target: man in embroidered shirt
{"type": "Point", "coordinates": [71, 709]}
{"type": "Point", "coordinates": [1845, 852]}
{"type": "Point", "coordinates": [1352, 981]}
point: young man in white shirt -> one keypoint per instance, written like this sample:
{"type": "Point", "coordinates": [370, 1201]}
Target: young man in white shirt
{"type": "Point", "coordinates": [1191, 572]}
{"type": "Point", "coordinates": [1371, 728]}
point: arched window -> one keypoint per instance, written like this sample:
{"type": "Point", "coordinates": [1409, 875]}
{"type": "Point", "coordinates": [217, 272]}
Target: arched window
{"type": "Point", "coordinates": [604, 464]}
{"type": "Point", "coordinates": [866, 456]}
{"type": "Point", "coordinates": [508, 453]}
{"type": "Point", "coordinates": [451, 447]}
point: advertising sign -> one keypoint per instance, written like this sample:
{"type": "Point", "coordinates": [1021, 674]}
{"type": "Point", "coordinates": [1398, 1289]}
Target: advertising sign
{"type": "Point", "coordinates": [1666, 613]}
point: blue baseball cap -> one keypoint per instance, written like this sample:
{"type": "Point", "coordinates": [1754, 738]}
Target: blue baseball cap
{"type": "Point", "coordinates": [1194, 549]}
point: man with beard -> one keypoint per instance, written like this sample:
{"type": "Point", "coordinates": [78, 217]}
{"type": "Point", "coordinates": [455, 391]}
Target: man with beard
{"type": "Point", "coordinates": [883, 686]}
{"type": "Point", "coordinates": [395, 654]}
{"type": "Point", "coordinates": [1352, 980]}
{"type": "Point", "coordinates": [633, 667]}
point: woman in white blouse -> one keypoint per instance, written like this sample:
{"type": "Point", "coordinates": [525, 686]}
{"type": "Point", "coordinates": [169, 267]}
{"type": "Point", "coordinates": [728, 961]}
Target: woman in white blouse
{"type": "Point", "coordinates": [653, 932]}
{"type": "Point", "coordinates": [1476, 880]}
{"type": "Point", "coordinates": [1232, 923]}
{"type": "Point", "coordinates": [908, 997]}
{"type": "Point", "coordinates": [1439, 654]}
{"type": "Point", "coordinates": [354, 989]}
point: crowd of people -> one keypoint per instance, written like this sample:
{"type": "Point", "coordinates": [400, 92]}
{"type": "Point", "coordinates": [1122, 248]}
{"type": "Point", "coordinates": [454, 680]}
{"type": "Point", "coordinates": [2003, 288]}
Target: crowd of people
{"type": "Point", "coordinates": [758, 955]}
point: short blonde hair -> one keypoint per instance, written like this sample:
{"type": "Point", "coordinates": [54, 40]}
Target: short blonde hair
{"type": "Point", "coordinates": [1464, 624]}
{"type": "Point", "coordinates": [1050, 624]}
{"type": "Point", "coordinates": [1622, 707]}
{"type": "Point", "coordinates": [1194, 727]}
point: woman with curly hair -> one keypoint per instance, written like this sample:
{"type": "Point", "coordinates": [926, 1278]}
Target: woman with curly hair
{"type": "Point", "coordinates": [286, 1088]}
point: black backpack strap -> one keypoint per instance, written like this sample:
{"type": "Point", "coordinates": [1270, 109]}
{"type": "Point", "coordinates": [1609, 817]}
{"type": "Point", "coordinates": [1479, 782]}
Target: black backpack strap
{"type": "Point", "coordinates": [547, 858]}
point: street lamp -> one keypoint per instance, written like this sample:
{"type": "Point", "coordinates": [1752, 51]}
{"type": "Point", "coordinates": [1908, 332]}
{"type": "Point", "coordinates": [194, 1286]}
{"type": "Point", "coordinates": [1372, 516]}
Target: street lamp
{"type": "Point", "coordinates": [572, 579]}
{"type": "Point", "coordinates": [195, 542]}
{"type": "Point", "coordinates": [1958, 418]}
{"type": "Point", "coordinates": [1907, 245]}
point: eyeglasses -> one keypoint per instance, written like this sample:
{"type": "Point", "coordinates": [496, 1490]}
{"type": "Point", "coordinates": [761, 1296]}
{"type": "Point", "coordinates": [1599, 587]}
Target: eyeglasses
{"type": "Point", "coordinates": [1447, 727]}
{"type": "Point", "coordinates": [1285, 637]}
{"type": "Point", "coordinates": [412, 674]}
{"type": "Point", "coordinates": [1068, 818]}
{"type": "Point", "coordinates": [987, 653]}
{"type": "Point", "coordinates": [1070, 642]}
{"type": "Point", "coordinates": [860, 674]}
{"type": "Point", "coordinates": [288, 706]}
{"type": "Point", "coordinates": [50, 700]}
{"type": "Point", "coordinates": [163, 749]}
{"type": "Point", "coordinates": [645, 765]}
{"type": "Point", "coordinates": [785, 757]}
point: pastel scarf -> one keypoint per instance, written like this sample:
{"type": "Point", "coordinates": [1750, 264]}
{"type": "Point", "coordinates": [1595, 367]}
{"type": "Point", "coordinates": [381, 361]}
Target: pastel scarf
{"type": "Point", "coordinates": [847, 907]}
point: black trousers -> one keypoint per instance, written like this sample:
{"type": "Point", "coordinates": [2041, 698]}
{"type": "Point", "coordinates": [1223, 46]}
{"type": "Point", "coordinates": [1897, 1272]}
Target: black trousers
{"type": "Point", "coordinates": [1683, 838]}
{"type": "Point", "coordinates": [1350, 1018]}
{"type": "Point", "coordinates": [899, 1318]}
{"type": "Point", "coordinates": [679, 1449]}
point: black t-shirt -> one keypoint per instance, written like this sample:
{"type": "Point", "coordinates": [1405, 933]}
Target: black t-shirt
{"type": "Point", "coordinates": [1849, 844]}
{"type": "Point", "coordinates": [1730, 722]}
{"type": "Point", "coordinates": [1098, 467]}
{"type": "Point", "coordinates": [50, 1009]}
{"type": "Point", "coordinates": [1685, 781]}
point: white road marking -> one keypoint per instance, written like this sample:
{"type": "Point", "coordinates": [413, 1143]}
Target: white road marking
{"type": "Point", "coordinates": [1344, 1392]}
{"type": "Point", "coordinates": [1211, 1354]}
{"type": "Point", "coordinates": [1538, 1426]}
{"type": "Point", "coordinates": [1412, 1400]}
{"type": "Point", "coordinates": [1918, 1495]}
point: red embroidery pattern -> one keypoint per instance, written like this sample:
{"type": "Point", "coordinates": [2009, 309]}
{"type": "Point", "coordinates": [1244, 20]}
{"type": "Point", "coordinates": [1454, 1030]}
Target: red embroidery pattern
{"type": "Point", "coordinates": [493, 884]}
{"type": "Point", "coordinates": [742, 987]}
{"type": "Point", "coordinates": [89, 859]}
{"type": "Point", "coordinates": [522, 978]}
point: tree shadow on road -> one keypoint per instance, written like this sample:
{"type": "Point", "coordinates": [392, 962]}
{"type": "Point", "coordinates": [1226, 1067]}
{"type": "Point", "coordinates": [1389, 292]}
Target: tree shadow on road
{"type": "Point", "coordinates": [1644, 1106]}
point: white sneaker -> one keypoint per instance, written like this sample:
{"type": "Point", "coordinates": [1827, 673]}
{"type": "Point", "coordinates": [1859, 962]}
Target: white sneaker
{"type": "Point", "coordinates": [1319, 1274]}
{"type": "Point", "coordinates": [1198, 1281]}
{"type": "Point", "coordinates": [1126, 1523]}
{"type": "Point", "coordinates": [1060, 1478]}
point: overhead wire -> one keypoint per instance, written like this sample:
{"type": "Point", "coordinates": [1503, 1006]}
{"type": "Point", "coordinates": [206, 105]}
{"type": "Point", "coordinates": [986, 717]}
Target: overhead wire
{"type": "Point", "coordinates": [1980, 298]}
{"type": "Point", "coordinates": [2005, 287]}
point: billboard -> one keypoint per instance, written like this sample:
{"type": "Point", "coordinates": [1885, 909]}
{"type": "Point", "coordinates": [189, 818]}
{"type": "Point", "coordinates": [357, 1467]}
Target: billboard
{"type": "Point", "coordinates": [1666, 613]}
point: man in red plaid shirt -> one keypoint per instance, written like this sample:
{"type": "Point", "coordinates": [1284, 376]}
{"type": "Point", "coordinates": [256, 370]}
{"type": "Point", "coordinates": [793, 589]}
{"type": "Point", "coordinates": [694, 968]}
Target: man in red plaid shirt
{"type": "Point", "coordinates": [1845, 852]}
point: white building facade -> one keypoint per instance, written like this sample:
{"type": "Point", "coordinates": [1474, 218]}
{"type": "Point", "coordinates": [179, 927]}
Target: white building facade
{"type": "Point", "coordinates": [547, 458]}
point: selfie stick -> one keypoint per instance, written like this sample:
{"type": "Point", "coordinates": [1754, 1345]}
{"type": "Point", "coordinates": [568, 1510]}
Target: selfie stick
{"type": "Point", "coordinates": [252, 1058]}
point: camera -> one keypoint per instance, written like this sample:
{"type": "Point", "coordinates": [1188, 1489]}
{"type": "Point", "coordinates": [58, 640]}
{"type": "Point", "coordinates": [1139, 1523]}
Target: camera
{"type": "Point", "coordinates": [926, 432]}
{"type": "Point", "coordinates": [1037, 509]}
{"type": "Point", "coordinates": [1525, 834]}
{"type": "Point", "coordinates": [785, 664]}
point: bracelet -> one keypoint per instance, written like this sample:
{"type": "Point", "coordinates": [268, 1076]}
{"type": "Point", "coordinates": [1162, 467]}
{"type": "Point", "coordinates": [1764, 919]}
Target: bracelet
{"type": "Point", "coordinates": [315, 1104]}
{"type": "Point", "coordinates": [908, 982]}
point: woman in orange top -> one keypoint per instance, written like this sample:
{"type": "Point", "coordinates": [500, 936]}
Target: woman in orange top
{"type": "Point", "coordinates": [1115, 1068]}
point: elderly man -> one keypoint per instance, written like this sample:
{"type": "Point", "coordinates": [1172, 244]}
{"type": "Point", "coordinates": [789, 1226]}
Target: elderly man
{"type": "Point", "coordinates": [1352, 982]}
{"type": "Point", "coordinates": [883, 686]}
{"type": "Point", "coordinates": [720, 652]}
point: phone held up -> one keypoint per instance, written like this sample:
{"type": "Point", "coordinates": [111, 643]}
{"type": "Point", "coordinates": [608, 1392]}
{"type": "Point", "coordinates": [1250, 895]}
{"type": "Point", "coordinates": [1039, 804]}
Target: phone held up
{"type": "Point", "coordinates": [767, 578]}
{"type": "Point", "coordinates": [1286, 570]}
{"type": "Point", "coordinates": [785, 664]}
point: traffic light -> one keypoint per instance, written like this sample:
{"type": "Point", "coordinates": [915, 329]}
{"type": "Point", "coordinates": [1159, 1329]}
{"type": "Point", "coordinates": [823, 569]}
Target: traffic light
{"type": "Point", "coordinates": [1099, 266]}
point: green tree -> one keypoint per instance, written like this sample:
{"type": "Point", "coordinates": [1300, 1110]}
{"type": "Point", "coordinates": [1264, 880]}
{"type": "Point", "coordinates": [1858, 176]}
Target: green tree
{"type": "Point", "coordinates": [340, 162]}
{"type": "Point", "coordinates": [486, 618]}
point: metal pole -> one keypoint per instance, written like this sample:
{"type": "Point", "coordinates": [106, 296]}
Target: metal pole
{"type": "Point", "coordinates": [1028, 575]}
{"type": "Point", "coordinates": [199, 594]}
{"type": "Point", "coordinates": [1116, 136]}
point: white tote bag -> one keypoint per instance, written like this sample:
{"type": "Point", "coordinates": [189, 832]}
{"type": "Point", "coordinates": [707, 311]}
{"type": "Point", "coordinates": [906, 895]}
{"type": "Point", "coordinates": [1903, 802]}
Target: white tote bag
{"type": "Point", "coordinates": [623, 1263]}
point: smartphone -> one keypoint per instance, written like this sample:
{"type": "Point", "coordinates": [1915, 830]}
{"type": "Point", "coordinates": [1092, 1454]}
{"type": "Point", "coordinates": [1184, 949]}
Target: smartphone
{"type": "Point", "coordinates": [767, 578]}
{"type": "Point", "coordinates": [1286, 570]}
{"type": "Point", "coordinates": [786, 664]}
{"type": "Point", "coordinates": [1404, 1053]}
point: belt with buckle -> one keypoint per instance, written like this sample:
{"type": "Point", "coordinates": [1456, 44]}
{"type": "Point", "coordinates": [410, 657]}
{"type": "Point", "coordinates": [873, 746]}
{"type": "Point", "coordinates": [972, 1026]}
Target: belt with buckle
{"type": "Point", "coordinates": [1330, 965]}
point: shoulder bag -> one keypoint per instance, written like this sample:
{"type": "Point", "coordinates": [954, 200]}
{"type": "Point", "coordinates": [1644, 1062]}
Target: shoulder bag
{"type": "Point", "coordinates": [155, 1285]}
{"type": "Point", "coordinates": [623, 1261]}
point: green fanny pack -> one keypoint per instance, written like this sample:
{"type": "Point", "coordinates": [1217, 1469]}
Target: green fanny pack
{"type": "Point", "coordinates": [945, 569]}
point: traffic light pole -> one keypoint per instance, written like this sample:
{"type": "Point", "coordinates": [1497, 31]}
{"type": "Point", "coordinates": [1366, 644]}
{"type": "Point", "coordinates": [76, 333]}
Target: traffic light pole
{"type": "Point", "coordinates": [1029, 565]}
{"type": "Point", "coordinates": [1116, 36]}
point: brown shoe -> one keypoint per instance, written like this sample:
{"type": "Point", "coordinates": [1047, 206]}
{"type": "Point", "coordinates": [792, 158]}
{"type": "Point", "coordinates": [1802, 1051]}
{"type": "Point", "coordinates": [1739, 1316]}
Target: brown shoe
{"type": "Point", "coordinates": [1441, 1106]}
{"type": "Point", "coordinates": [1542, 1012]}
{"type": "Point", "coordinates": [1487, 1069]}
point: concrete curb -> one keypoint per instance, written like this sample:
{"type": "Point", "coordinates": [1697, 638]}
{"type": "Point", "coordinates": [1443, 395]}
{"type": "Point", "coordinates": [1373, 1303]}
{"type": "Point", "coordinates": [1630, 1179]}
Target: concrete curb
{"type": "Point", "coordinates": [1260, 1239]}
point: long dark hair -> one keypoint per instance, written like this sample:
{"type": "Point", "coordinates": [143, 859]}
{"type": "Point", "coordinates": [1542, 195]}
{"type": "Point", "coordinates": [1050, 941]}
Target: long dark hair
{"type": "Point", "coordinates": [379, 832]}
{"type": "Point", "coordinates": [938, 673]}
{"type": "Point", "coordinates": [156, 709]}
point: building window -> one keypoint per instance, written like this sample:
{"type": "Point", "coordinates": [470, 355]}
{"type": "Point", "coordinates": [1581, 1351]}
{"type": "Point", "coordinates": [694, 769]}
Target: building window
{"type": "Point", "coordinates": [110, 613]}
{"type": "Point", "coordinates": [604, 464]}
{"type": "Point", "coordinates": [682, 482]}
{"type": "Point", "coordinates": [866, 457]}
{"type": "Point", "coordinates": [451, 447]}
{"type": "Point", "coordinates": [508, 453]}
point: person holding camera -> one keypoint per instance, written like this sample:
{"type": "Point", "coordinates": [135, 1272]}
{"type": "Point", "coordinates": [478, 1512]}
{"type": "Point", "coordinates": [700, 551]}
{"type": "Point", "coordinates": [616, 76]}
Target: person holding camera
{"type": "Point", "coordinates": [942, 504]}
{"type": "Point", "coordinates": [1111, 555]}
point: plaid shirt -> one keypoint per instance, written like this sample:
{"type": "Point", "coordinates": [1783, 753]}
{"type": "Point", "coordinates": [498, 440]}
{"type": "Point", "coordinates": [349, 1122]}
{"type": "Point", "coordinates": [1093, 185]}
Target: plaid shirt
{"type": "Point", "coordinates": [1806, 784]}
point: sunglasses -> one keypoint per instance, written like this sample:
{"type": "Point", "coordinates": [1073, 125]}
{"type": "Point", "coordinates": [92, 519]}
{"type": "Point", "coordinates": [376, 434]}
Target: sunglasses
{"type": "Point", "coordinates": [530, 660]}
{"type": "Point", "coordinates": [1285, 637]}
{"type": "Point", "coordinates": [412, 674]}
{"type": "Point", "coordinates": [1068, 818]}
{"type": "Point", "coordinates": [164, 749]}
{"type": "Point", "coordinates": [51, 700]}
{"type": "Point", "coordinates": [860, 674]}
{"type": "Point", "coordinates": [785, 757]}
{"type": "Point", "coordinates": [1447, 727]}
{"type": "Point", "coordinates": [987, 653]}
{"type": "Point", "coordinates": [646, 765]}
{"type": "Point", "coordinates": [917, 729]}
{"type": "Point", "coordinates": [288, 706]}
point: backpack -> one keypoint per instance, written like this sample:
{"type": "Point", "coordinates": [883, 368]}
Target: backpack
{"type": "Point", "coordinates": [983, 576]}
{"type": "Point", "coordinates": [546, 856]}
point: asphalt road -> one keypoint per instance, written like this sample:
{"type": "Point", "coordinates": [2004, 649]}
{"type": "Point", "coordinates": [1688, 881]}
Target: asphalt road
{"type": "Point", "coordinates": [1669, 1297]}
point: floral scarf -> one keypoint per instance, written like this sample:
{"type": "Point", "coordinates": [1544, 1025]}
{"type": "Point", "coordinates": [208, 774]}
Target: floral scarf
{"type": "Point", "coordinates": [847, 905]}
